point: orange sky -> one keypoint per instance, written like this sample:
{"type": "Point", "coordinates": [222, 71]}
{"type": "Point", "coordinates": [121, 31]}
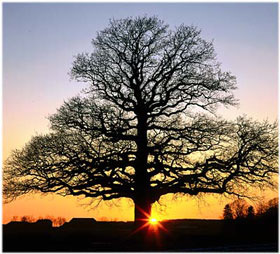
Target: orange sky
{"type": "Point", "coordinates": [38, 52]}
{"type": "Point", "coordinates": [209, 207]}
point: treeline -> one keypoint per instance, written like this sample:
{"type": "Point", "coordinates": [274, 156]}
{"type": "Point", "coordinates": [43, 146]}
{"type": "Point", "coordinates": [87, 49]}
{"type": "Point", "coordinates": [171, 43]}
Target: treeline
{"type": "Point", "coordinates": [240, 209]}
{"type": "Point", "coordinates": [56, 221]}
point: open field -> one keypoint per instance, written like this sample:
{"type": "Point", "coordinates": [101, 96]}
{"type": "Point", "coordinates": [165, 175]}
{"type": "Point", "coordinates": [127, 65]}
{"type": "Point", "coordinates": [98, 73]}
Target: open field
{"type": "Point", "coordinates": [175, 235]}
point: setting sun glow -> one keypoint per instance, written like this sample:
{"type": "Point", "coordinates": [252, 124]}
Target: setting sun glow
{"type": "Point", "coordinates": [153, 221]}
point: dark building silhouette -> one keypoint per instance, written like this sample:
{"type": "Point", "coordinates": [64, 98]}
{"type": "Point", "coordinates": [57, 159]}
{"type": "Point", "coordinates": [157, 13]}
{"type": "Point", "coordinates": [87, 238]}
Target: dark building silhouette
{"type": "Point", "coordinates": [24, 226]}
{"type": "Point", "coordinates": [80, 222]}
{"type": "Point", "coordinates": [79, 225]}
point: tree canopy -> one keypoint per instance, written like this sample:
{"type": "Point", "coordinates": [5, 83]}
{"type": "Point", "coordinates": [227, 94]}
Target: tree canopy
{"type": "Point", "coordinates": [143, 128]}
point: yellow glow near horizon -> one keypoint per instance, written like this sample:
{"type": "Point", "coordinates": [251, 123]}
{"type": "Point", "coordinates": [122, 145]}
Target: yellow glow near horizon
{"type": "Point", "coordinates": [153, 221]}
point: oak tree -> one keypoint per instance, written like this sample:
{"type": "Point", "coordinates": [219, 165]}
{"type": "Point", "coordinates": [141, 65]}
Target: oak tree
{"type": "Point", "coordinates": [145, 127]}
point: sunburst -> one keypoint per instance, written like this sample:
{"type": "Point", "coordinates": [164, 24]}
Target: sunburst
{"type": "Point", "coordinates": [153, 221]}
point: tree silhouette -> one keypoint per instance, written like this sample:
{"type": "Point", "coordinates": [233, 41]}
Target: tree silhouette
{"type": "Point", "coordinates": [268, 210]}
{"type": "Point", "coordinates": [239, 208]}
{"type": "Point", "coordinates": [143, 128]}
{"type": "Point", "coordinates": [227, 215]}
{"type": "Point", "coordinates": [250, 212]}
{"type": "Point", "coordinates": [273, 203]}
{"type": "Point", "coordinates": [261, 207]}
{"type": "Point", "coordinates": [272, 212]}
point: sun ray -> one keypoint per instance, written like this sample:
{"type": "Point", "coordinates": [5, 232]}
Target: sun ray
{"type": "Point", "coordinates": [153, 221]}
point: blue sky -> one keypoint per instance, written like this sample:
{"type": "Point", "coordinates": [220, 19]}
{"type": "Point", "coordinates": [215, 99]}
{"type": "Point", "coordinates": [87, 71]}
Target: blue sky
{"type": "Point", "coordinates": [40, 40]}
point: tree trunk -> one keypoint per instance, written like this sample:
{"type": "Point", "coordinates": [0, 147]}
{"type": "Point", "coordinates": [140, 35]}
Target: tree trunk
{"type": "Point", "coordinates": [142, 211]}
{"type": "Point", "coordinates": [142, 201]}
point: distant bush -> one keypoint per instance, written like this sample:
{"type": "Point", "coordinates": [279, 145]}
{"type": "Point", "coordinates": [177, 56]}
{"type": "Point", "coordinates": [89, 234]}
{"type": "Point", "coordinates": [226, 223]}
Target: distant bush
{"type": "Point", "coordinates": [251, 212]}
{"type": "Point", "coordinates": [240, 209]}
{"type": "Point", "coordinates": [14, 218]}
{"type": "Point", "coordinates": [227, 215]}
{"type": "Point", "coordinates": [27, 218]}
{"type": "Point", "coordinates": [269, 210]}
{"type": "Point", "coordinates": [56, 221]}
{"type": "Point", "coordinates": [59, 221]}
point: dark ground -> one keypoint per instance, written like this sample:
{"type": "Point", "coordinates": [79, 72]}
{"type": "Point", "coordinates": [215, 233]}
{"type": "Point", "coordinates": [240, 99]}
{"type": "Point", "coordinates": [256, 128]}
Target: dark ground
{"type": "Point", "coordinates": [178, 236]}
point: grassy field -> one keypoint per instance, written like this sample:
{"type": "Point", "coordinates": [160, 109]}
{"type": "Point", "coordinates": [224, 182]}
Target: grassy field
{"type": "Point", "coordinates": [175, 235]}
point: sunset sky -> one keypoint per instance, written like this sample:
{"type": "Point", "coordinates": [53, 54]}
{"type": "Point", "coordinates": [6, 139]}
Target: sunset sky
{"type": "Point", "coordinates": [40, 40]}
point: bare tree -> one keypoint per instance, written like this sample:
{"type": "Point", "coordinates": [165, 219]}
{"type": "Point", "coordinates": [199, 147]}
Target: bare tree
{"type": "Point", "coordinates": [24, 219]}
{"type": "Point", "coordinates": [268, 210]}
{"type": "Point", "coordinates": [261, 207]}
{"type": "Point", "coordinates": [141, 130]}
{"type": "Point", "coordinates": [59, 221]}
{"type": "Point", "coordinates": [250, 212]}
{"type": "Point", "coordinates": [273, 203]}
{"type": "Point", "coordinates": [239, 208]}
{"type": "Point", "coordinates": [227, 214]}
{"type": "Point", "coordinates": [27, 218]}
{"type": "Point", "coordinates": [14, 218]}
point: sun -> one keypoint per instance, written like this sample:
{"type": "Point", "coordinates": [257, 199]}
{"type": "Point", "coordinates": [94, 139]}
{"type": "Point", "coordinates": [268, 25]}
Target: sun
{"type": "Point", "coordinates": [153, 221]}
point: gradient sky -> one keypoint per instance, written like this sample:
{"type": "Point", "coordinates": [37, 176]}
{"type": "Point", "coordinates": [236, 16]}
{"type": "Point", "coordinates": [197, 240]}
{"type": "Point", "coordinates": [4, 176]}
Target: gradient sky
{"type": "Point", "coordinates": [40, 40]}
